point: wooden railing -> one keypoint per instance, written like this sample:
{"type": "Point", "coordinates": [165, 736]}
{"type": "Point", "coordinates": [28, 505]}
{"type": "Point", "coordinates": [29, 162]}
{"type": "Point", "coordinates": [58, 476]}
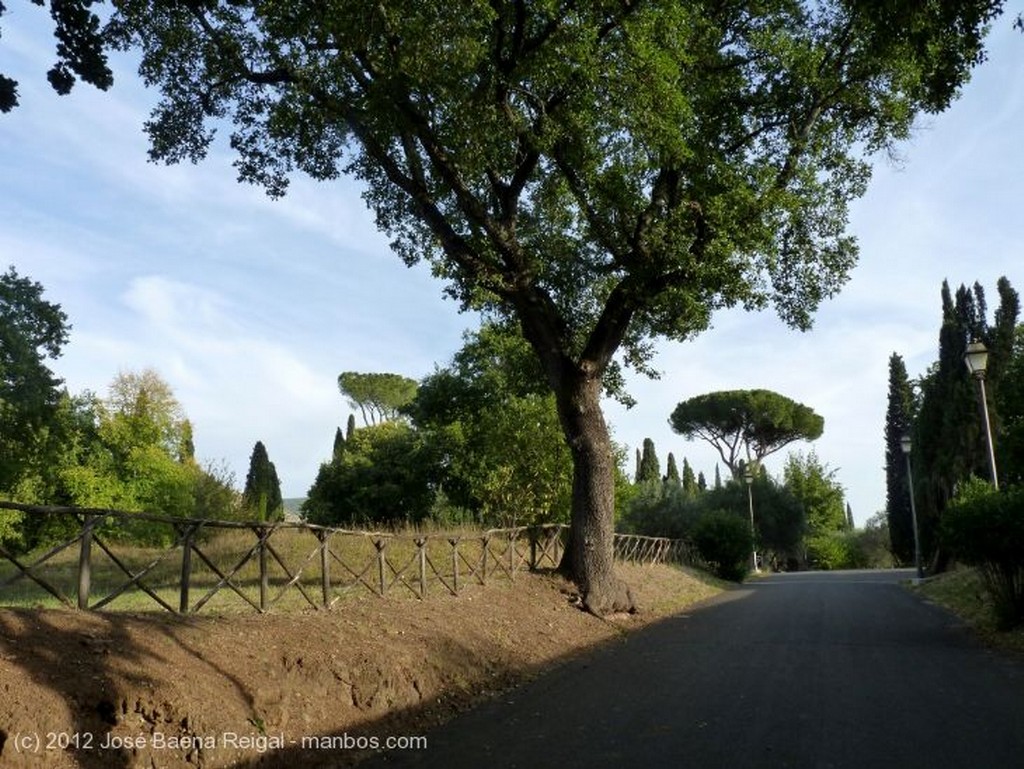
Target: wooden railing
{"type": "Point", "coordinates": [267, 564]}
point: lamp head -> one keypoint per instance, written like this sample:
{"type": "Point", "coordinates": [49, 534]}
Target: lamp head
{"type": "Point", "coordinates": [976, 359]}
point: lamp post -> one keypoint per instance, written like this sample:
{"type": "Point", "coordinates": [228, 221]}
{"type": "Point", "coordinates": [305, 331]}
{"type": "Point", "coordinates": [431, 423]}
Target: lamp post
{"type": "Point", "coordinates": [748, 476]}
{"type": "Point", "coordinates": [976, 359]}
{"type": "Point", "coordinates": [906, 445]}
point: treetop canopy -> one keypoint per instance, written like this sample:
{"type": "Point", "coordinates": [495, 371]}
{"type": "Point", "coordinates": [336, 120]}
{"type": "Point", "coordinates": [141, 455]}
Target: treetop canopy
{"type": "Point", "coordinates": [611, 171]}
{"type": "Point", "coordinates": [746, 424]}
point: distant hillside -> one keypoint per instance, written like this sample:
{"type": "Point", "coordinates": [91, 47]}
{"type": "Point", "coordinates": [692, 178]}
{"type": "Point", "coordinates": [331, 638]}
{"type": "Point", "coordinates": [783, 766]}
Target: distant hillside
{"type": "Point", "coordinates": [292, 507]}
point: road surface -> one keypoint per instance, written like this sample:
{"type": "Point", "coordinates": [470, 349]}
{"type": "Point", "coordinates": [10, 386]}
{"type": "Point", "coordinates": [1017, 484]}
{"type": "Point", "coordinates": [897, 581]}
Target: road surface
{"type": "Point", "coordinates": [810, 671]}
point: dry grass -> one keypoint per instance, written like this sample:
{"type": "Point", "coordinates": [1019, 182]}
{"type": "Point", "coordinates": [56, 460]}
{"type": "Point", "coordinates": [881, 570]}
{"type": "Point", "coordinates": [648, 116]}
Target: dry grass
{"type": "Point", "coordinates": [961, 591]}
{"type": "Point", "coordinates": [358, 564]}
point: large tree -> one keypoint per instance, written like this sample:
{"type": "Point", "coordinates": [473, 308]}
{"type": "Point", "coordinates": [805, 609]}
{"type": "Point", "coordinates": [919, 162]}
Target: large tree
{"type": "Point", "coordinates": [949, 433]}
{"type": "Point", "coordinates": [745, 426]}
{"type": "Point", "coordinates": [32, 330]}
{"type": "Point", "coordinates": [898, 420]}
{"type": "Point", "coordinates": [649, 469]}
{"type": "Point", "coordinates": [386, 474]}
{"type": "Point", "coordinates": [814, 485]}
{"type": "Point", "coordinates": [262, 493]}
{"type": "Point", "coordinates": [491, 416]}
{"type": "Point", "coordinates": [1011, 408]}
{"type": "Point", "coordinates": [605, 172]}
{"type": "Point", "coordinates": [378, 396]}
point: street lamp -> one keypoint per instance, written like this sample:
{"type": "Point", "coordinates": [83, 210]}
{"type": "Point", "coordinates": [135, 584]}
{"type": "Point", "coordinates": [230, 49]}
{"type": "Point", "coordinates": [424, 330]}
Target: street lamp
{"type": "Point", "coordinates": [976, 359]}
{"type": "Point", "coordinates": [748, 476]}
{"type": "Point", "coordinates": [907, 445]}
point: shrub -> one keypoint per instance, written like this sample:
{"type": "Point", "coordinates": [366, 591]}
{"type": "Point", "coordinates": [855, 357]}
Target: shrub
{"type": "Point", "coordinates": [831, 551]}
{"type": "Point", "coordinates": [9, 526]}
{"type": "Point", "coordinates": [723, 540]}
{"type": "Point", "coordinates": [985, 529]}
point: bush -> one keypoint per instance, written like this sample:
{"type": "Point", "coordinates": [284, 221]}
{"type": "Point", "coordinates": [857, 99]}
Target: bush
{"type": "Point", "coordinates": [723, 540]}
{"type": "Point", "coordinates": [10, 531]}
{"type": "Point", "coordinates": [985, 529]}
{"type": "Point", "coordinates": [835, 550]}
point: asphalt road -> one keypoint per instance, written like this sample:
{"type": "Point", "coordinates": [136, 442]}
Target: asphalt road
{"type": "Point", "coordinates": [810, 671]}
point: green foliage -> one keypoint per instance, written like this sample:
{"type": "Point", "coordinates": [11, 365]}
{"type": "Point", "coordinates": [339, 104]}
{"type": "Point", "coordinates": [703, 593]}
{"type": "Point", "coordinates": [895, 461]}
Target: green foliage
{"type": "Point", "coordinates": [830, 551]}
{"type": "Point", "coordinates": [215, 495]}
{"type": "Point", "coordinates": [491, 415]}
{"type": "Point", "coordinates": [516, 464]}
{"type": "Point", "coordinates": [650, 468]}
{"type": "Point", "coordinates": [129, 452]}
{"type": "Point", "coordinates": [384, 476]}
{"type": "Point", "coordinates": [656, 511]}
{"type": "Point", "coordinates": [1010, 401]}
{"type": "Point", "coordinates": [80, 53]}
{"type": "Point", "coordinates": [689, 481]}
{"type": "Point", "coordinates": [723, 540]}
{"type": "Point", "coordinates": [985, 529]}
{"type": "Point", "coordinates": [899, 416]}
{"type": "Point", "coordinates": [745, 425]}
{"type": "Point", "coordinates": [873, 544]}
{"type": "Point", "coordinates": [948, 432]}
{"type": "Point", "coordinates": [10, 527]}
{"type": "Point", "coordinates": [261, 496]}
{"type": "Point", "coordinates": [814, 485]}
{"type": "Point", "coordinates": [670, 511]}
{"type": "Point", "coordinates": [31, 331]}
{"type": "Point", "coordinates": [607, 175]}
{"type": "Point", "coordinates": [379, 397]}
{"type": "Point", "coordinates": [672, 471]}
{"type": "Point", "coordinates": [898, 420]}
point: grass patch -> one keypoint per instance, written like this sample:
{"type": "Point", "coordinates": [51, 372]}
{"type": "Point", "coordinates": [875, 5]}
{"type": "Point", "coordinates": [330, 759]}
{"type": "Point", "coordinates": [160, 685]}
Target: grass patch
{"type": "Point", "coordinates": [963, 593]}
{"type": "Point", "coordinates": [293, 561]}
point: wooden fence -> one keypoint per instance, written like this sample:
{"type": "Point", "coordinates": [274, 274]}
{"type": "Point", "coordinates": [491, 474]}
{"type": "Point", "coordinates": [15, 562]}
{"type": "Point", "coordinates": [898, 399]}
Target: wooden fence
{"type": "Point", "coordinates": [267, 564]}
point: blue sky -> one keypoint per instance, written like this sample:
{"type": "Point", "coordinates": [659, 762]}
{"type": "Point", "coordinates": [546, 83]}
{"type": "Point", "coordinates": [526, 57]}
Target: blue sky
{"type": "Point", "coordinates": [250, 308]}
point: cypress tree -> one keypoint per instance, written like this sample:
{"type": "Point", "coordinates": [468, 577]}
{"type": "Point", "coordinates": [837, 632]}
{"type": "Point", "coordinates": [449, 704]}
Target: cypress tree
{"type": "Point", "coordinates": [650, 468]}
{"type": "Point", "coordinates": [1005, 376]}
{"type": "Point", "coordinates": [949, 435]}
{"type": "Point", "coordinates": [187, 446]}
{"type": "Point", "coordinates": [262, 493]}
{"type": "Point", "coordinates": [689, 481]}
{"type": "Point", "coordinates": [702, 482]}
{"type": "Point", "coordinates": [339, 443]}
{"type": "Point", "coordinates": [898, 419]}
{"type": "Point", "coordinates": [672, 471]}
{"type": "Point", "coordinates": [350, 428]}
{"type": "Point", "coordinates": [718, 477]}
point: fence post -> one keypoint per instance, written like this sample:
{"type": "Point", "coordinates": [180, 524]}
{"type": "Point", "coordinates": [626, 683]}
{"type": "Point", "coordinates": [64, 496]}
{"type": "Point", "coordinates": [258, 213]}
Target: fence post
{"type": "Point", "coordinates": [85, 563]}
{"type": "Point", "coordinates": [483, 559]}
{"type": "Point", "coordinates": [421, 554]}
{"type": "Point", "coordinates": [512, 565]}
{"type": "Point", "coordinates": [380, 544]}
{"type": "Point", "coordinates": [532, 533]}
{"type": "Point", "coordinates": [186, 570]}
{"type": "Point", "coordinates": [325, 567]}
{"type": "Point", "coordinates": [261, 532]}
{"type": "Point", "coordinates": [454, 542]}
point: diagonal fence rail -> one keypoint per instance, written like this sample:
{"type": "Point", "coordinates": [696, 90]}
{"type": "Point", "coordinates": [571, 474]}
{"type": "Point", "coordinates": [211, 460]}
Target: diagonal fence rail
{"type": "Point", "coordinates": [208, 565]}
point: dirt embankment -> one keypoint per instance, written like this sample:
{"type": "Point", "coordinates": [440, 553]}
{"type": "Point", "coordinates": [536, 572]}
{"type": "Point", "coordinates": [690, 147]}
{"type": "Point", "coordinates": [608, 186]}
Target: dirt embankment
{"type": "Point", "coordinates": [303, 689]}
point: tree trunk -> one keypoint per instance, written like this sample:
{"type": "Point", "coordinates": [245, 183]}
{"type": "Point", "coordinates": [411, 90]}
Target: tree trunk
{"type": "Point", "coordinates": [589, 555]}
